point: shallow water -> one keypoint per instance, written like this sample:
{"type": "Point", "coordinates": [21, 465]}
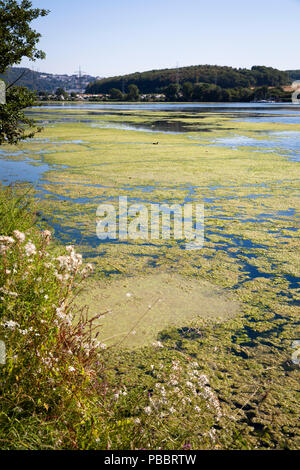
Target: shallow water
{"type": "Point", "coordinates": [24, 169]}
{"type": "Point", "coordinates": [202, 107]}
{"type": "Point", "coordinates": [260, 112]}
{"type": "Point", "coordinates": [284, 142]}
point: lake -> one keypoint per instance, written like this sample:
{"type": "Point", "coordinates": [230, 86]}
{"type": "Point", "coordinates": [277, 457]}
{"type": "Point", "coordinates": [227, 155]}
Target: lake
{"type": "Point", "coordinates": [239, 160]}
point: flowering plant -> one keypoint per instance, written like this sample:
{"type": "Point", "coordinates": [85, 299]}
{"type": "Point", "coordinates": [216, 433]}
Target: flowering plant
{"type": "Point", "coordinates": [52, 351]}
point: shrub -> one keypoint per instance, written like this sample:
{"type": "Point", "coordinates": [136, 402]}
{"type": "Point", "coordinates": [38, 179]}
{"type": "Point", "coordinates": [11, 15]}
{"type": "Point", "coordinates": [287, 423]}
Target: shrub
{"type": "Point", "coordinates": [54, 363]}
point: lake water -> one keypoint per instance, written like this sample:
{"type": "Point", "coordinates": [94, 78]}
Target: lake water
{"type": "Point", "coordinates": [18, 165]}
{"type": "Point", "coordinates": [277, 108]}
{"type": "Point", "coordinates": [284, 142]}
{"type": "Point", "coordinates": [270, 112]}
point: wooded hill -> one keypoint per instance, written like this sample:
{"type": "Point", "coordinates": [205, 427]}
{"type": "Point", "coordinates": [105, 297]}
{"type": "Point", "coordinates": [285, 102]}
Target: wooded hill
{"type": "Point", "coordinates": [155, 81]}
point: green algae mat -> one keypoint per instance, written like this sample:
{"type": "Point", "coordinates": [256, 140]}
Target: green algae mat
{"type": "Point", "coordinates": [139, 307]}
{"type": "Point", "coordinates": [250, 195]}
{"type": "Point", "coordinates": [234, 303]}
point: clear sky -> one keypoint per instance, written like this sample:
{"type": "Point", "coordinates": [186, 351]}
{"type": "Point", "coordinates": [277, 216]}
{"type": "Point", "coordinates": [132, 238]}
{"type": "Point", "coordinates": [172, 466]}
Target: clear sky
{"type": "Point", "coordinates": [116, 37]}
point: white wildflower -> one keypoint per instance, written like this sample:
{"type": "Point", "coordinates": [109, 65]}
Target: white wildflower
{"type": "Point", "coordinates": [60, 313]}
{"type": "Point", "coordinates": [47, 361]}
{"type": "Point", "coordinates": [7, 240]}
{"type": "Point", "coordinates": [30, 249]}
{"type": "Point", "coordinates": [19, 236]}
{"type": "Point", "coordinates": [46, 235]}
{"type": "Point", "coordinates": [10, 324]}
{"type": "Point", "coordinates": [87, 270]}
{"type": "Point", "coordinates": [72, 262]}
{"type": "Point", "coordinates": [212, 401]}
{"type": "Point", "coordinates": [7, 292]}
{"type": "Point", "coordinates": [203, 380]}
{"type": "Point", "coordinates": [59, 276]}
{"type": "Point", "coordinates": [5, 243]}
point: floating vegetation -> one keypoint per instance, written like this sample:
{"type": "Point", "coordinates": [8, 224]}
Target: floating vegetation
{"type": "Point", "coordinates": [245, 174]}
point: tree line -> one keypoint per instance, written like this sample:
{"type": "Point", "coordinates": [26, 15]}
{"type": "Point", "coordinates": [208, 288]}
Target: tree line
{"type": "Point", "coordinates": [201, 92]}
{"type": "Point", "coordinates": [156, 81]}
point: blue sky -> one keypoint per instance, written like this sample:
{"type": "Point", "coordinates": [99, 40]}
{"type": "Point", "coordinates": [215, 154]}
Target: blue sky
{"type": "Point", "coordinates": [122, 36]}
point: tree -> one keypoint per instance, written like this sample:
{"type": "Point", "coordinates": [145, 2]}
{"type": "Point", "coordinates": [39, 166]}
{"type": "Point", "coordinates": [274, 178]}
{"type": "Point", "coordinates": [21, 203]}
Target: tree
{"type": "Point", "coordinates": [116, 94]}
{"type": "Point", "coordinates": [60, 92]}
{"type": "Point", "coordinates": [187, 91]}
{"type": "Point", "coordinates": [133, 93]}
{"type": "Point", "coordinates": [199, 91]}
{"type": "Point", "coordinates": [14, 125]}
{"type": "Point", "coordinates": [172, 92]}
{"type": "Point", "coordinates": [43, 95]}
{"type": "Point", "coordinates": [261, 93]}
{"type": "Point", "coordinates": [17, 40]}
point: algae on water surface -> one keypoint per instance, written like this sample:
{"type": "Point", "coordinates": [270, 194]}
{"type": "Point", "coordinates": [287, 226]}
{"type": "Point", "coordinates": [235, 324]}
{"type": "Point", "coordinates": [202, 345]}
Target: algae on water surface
{"type": "Point", "coordinates": [242, 325]}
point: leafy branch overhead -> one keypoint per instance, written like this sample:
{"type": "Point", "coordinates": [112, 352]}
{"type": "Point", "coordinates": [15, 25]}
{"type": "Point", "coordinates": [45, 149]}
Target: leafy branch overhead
{"type": "Point", "coordinates": [17, 40]}
{"type": "Point", "coordinates": [14, 125]}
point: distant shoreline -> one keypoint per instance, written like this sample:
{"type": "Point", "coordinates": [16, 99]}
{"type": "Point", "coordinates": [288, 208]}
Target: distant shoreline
{"type": "Point", "coordinates": [150, 103]}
